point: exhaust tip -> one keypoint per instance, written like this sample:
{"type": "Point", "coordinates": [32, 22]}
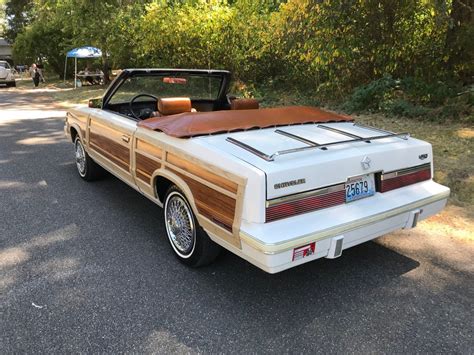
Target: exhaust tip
{"type": "Point", "coordinates": [335, 249]}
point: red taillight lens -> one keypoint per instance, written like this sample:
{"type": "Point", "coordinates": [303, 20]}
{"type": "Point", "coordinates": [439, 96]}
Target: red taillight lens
{"type": "Point", "coordinates": [395, 180]}
{"type": "Point", "coordinates": [305, 204]}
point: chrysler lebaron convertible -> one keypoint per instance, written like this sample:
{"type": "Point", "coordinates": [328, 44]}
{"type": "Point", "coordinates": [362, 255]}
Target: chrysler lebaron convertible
{"type": "Point", "coordinates": [277, 186]}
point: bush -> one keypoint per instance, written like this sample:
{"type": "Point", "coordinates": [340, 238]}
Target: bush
{"type": "Point", "coordinates": [400, 107]}
{"type": "Point", "coordinates": [411, 97]}
{"type": "Point", "coordinates": [370, 97]}
{"type": "Point", "coordinates": [432, 94]}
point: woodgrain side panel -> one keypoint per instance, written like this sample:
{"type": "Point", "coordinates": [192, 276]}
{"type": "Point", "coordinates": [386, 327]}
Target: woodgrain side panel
{"type": "Point", "coordinates": [149, 148]}
{"type": "Point", "coordinates": [109, 148]}
{"type": "Point", "coordinates": [201, 172]}
{"type": "Point", "coordinates": [145, 167]}
{"type": "Point", "coordinates": [212, 204]}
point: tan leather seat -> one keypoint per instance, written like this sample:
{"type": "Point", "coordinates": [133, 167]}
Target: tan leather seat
{"type": "Point", "coordinates": [172, 106]}
{"type": "Point", "coordinates": [244, 104]}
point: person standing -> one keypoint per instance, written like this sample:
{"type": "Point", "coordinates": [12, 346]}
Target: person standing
{"type": "Point", "coordinates": [40, 68]}
{"type": "Point", "coordinates": [35, 74]}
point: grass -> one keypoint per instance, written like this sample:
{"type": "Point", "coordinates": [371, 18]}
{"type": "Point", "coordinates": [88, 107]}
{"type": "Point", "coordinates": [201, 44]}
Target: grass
{"type": "Point", "coordinates": [64, 93]}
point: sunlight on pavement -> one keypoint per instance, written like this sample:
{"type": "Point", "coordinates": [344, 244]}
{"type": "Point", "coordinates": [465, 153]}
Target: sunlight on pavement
{"type": "Point", "coordinates": [60, 268]}
{"type": "Point", "coordinates": [10, 115]}
{"type": "Point", "coordinates": [13, 256]}
{"type": "Point", "coordinates": [6, 184]}
{"type": "Point", "coordinates": [169, 343]}
{"type": "Point", "coordinates": [39, 140]}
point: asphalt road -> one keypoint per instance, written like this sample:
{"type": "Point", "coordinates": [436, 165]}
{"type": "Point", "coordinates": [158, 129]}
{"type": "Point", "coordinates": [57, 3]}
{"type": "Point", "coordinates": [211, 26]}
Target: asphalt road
{"type": "Point", "coordinates": [85, 267]}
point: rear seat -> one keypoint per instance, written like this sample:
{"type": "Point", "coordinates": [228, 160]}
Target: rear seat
{"type": "Point", "coordinates": [244, 104]}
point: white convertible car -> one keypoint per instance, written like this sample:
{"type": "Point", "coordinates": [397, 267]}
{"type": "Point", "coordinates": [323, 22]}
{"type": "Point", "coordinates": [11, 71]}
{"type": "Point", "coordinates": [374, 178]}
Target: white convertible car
{"type": "Point", "coordinates": [277, 186]}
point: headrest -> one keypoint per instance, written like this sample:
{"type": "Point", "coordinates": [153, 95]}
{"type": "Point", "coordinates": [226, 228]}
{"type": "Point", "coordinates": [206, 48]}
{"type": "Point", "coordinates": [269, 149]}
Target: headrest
{"type": "Point", "coordinates": [244, 104]}
{"type": "Point", "coordinates": [174, 105]}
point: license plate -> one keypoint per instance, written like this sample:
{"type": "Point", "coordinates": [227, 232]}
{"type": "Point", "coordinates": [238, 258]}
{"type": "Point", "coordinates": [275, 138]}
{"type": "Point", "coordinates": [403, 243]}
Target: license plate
{"type": "Point", "coordinates": [360, 187]}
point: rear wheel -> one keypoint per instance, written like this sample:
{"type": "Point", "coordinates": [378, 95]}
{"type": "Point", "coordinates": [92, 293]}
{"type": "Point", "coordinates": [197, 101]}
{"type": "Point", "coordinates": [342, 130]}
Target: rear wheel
{"type": "Point", "coordinates": [189, 241]}
{"type": "Point", "coordinates": [88, 169]}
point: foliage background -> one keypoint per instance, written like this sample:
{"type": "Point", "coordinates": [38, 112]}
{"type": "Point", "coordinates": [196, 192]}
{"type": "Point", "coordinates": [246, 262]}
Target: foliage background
{"type": "Point", "coordinates": [401, 57]}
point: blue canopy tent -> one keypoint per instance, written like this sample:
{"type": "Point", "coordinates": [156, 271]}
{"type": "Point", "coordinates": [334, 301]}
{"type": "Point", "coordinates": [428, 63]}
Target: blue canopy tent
{"type": "Point", "coordinates": [81, 52]}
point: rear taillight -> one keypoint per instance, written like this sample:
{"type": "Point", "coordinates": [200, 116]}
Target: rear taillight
{"type": "Point", "coordinates": [305, 202]}
{"type": "Point", "coordinates": [396, 179]}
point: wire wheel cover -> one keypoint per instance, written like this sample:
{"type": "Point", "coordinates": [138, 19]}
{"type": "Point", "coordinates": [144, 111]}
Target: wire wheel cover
{"type": "Point", "coordinates": [180, 224]}
{"type": "Point", "coordinates": [80, 158]}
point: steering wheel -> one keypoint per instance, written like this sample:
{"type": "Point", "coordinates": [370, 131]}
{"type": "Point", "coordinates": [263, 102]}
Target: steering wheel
{"type": "Point", "coordinates": [140, 116]}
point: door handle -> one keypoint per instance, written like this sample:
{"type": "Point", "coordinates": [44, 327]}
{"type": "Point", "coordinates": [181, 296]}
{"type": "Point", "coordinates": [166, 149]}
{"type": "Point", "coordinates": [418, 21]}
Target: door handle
{"type": "Point", "coordinates": [126, 138]}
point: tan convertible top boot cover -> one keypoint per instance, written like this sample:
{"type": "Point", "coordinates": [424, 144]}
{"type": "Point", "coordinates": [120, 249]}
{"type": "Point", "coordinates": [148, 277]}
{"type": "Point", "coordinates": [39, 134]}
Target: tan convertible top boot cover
{"type": "Point", "coordinates": [190, 124]}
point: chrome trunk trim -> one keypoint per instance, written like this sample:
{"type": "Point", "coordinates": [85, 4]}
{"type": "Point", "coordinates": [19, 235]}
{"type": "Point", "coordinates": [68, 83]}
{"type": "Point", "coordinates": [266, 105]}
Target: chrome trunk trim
{"type": "Point", "coordinates": [361, 125]}
{"type": "Point", "coordinates": [339, 131]}
{"type": "Point", "coordinates": [249, 148]}
{"type": "Point", "coordinates": [298, 138]}
{"type": "Point", "coordinates": [311, 144]}
{"type": "Point", "coordinates": [325, 146]}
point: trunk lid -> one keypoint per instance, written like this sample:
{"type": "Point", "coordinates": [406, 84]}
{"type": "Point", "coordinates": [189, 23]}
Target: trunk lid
{"type": "Point", "coordinates": [307, 168]}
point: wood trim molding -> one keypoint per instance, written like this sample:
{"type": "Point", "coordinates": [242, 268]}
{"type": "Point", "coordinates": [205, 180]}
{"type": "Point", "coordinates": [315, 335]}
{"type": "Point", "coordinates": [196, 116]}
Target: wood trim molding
{"type": "Point", "coordinates": [202, 173]}
{"type": "Point", "coordinates": [217, 195]}
{"type": "Point", "coordinates": [145, 167]}
{"type": "Point", "coordinates": [169, 149]}
{"type": "Point", "coordinates": [112, 150]}
{"type": "Point", "coordinates": [212, 204]}
{"type": "Point", "coordinates": [145, 147]}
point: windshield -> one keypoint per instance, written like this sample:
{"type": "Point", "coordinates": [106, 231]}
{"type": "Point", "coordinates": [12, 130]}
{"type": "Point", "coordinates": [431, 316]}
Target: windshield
{"type": "Point", "coordinates": [4, 65]}
{"type": "Point", "coordinates": [194, 86]}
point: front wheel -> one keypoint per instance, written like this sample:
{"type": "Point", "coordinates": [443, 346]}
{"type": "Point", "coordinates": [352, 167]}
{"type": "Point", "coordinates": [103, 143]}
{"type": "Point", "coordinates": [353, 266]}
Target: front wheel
{"type": "Point", "coordinates": [88, 169]}
{"type": "Point", "coordinates": [189, 241]}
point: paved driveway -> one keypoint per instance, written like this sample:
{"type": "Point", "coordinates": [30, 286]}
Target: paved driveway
{"type": "Point", "coordinates": [86, 267]}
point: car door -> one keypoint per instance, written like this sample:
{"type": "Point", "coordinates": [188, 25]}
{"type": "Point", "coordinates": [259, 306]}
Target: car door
{"type": "Point", "coordinates": [110, 142]}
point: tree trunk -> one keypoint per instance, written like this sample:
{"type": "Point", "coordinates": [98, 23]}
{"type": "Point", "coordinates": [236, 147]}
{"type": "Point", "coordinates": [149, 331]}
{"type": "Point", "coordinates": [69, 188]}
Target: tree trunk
{"type": "Point", "coordinates": [461, 19]}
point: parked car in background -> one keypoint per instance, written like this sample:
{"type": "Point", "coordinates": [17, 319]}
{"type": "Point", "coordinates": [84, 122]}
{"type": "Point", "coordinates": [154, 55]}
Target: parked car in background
{"type": "Point", "coordinates": [6, 74]}
{"type": "Point", "coordinates": [277, 186]}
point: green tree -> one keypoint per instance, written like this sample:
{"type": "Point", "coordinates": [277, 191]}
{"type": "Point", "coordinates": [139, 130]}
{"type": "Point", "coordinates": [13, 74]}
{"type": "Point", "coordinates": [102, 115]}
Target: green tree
{"type": "Point", "coordinates": [324, 47]}
{"type": "Point", "coordinates": [459, 45]}
{"type": "Point", "coordinates": [3, 21]}
{"type": "Point", "coordinates": [18, 14]}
